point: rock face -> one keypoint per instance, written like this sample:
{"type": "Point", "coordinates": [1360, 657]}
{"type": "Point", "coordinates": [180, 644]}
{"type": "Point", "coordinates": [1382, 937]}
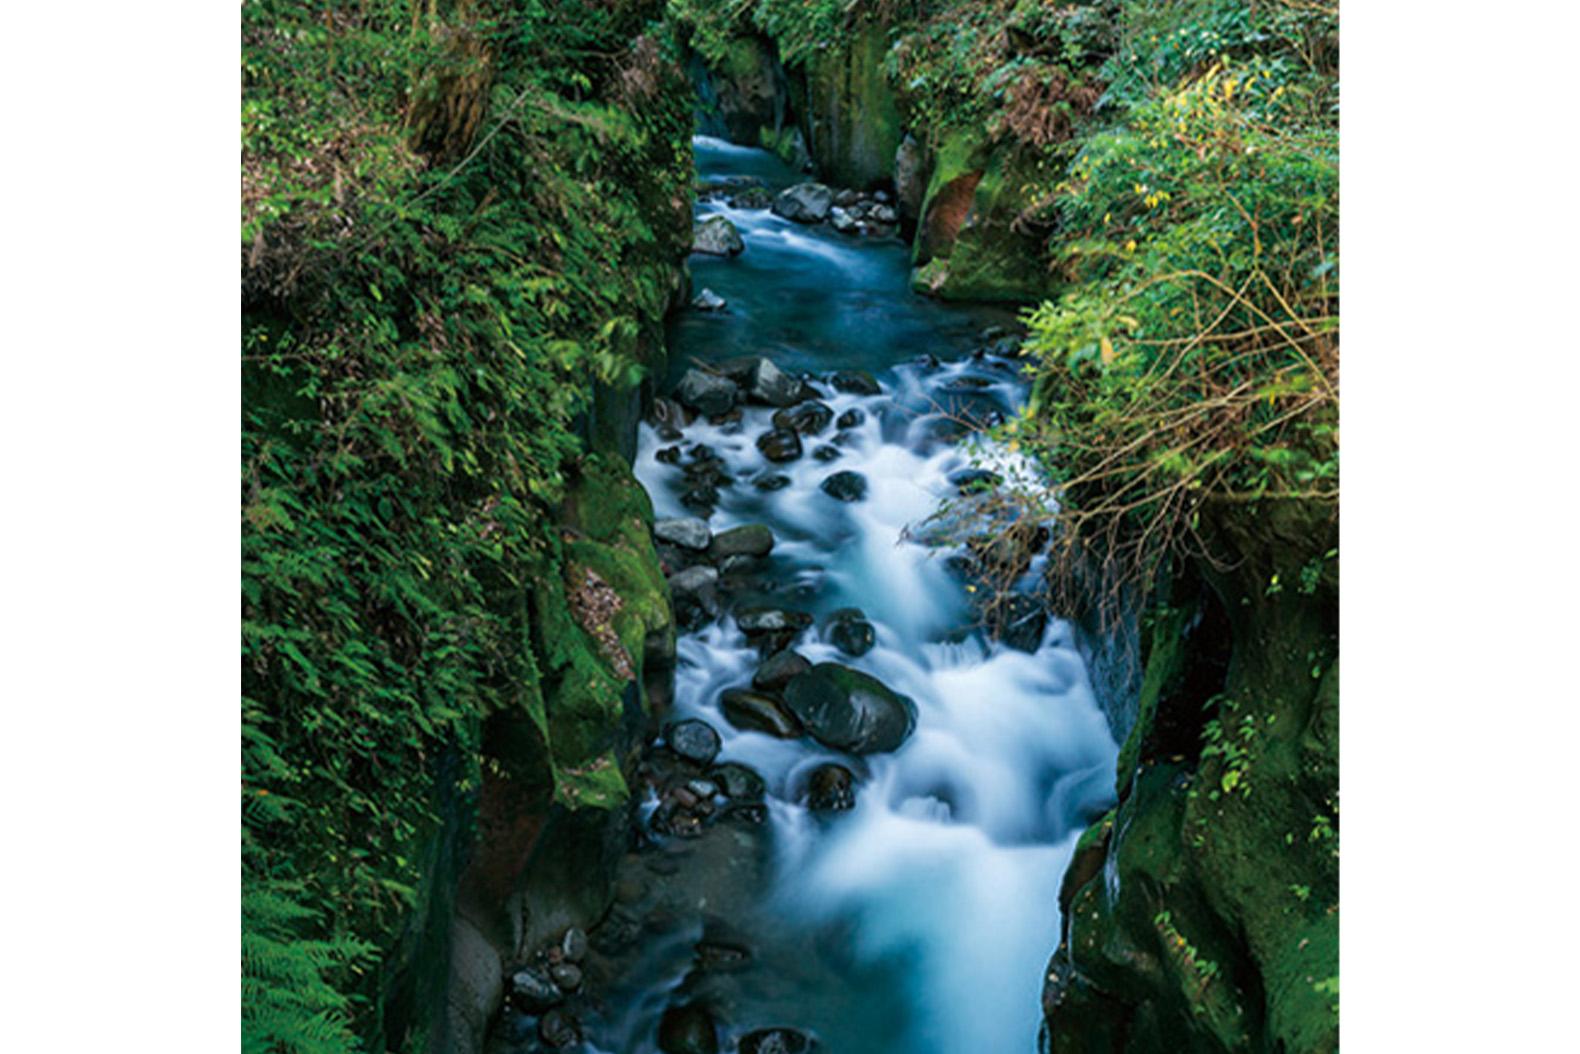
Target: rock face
{"type": "Point", "coordinates": [910, 177]}
{"type": "Point", "coordinates": [745, 95]}
{"type": "Point", "coordinates": [849, 710]}
{"type": "Point", "coordinates": [804, 203]}
{"type": "Point", "coordinates": [853, 121]}
{"type": "Point", "coordinates": [716, 236]}
{"type": "Point", "coordinates": [707, 393]}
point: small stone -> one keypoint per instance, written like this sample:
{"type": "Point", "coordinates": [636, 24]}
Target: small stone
{"type": "Point", "coordinates": [779, 445]}
{"type": "Point", "coordinates": [831, 788]}
{"type": "Point", "coordinates": [574, 945]}
{"type": "Point", "coordinates": [688, 532]}
{"type": "Point", "coordinates": [849, 631]}
{"type": "Point", "coordinates": [851, 418]}
{"type": "Point", "coordinates": [771, 481]}
{"type": "Point", "coordinates": [739, 782]}
{"type": "Point", "coordinates": [567, 975]}
{"type": "Point", "coordinates": [669, 455]}
{"type": "Point", "coordinates": [694, 740]}
{"type": "Point", "coordinates": [559, 1029]}
{"type": "Point", "coordinates": [825, 453]}
{"type": "Point", "coordinates": [808, 419]}
{"type": "Point", "coordinates": [845, 486]}
{"type": "Point", "coordinates": [843, 221]}
{"type": "Point", "coordinates": [846, 197]}
{"type": "Point", "coordinates": [777, 670]}
{"type": "Point", "coordinates": [534, 991]}
{"type": "Point", "coordinates": [708, 300]}
{"type": "Point", "coordinates": [695, 595]}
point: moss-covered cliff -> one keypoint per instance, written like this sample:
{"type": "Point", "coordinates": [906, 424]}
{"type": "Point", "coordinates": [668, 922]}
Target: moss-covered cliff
{"type": "Point", "coordinates": [462, 224]}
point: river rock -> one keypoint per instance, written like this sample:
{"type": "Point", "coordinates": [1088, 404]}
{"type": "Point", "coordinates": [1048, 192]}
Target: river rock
{"type": "Point", "coordinates": [769, 384]}
{"type": "Point", "coordinates": [687, 1029]}
{"type": "Point", "coordinates": [707, 393]}
{"type": "Point", "coordinates": [845, 197]}
{"type": "Point", "coordinates": [739, 782]}
{"type": "Point", "coordinates": [1020, 623]}
{"type": "Point", "coordinates": [752, 198]}
{"type": "Point", "coordinates": [708, 300]}
{"type": "Point", "coordinates": [778, 670]}
{"type": "Point", "coordinates": [780, 445]}
{"type": "Point", "coordinates": [694, 740]}
{"type": "Point", "coordinates": [855, 382]}
{"type": "Point", "coordinates": [688, 532]}
{"type": "Point", "coordinates": [749, 539]}
{"type": "Point", "coordinates": [775, 1041]}
{"type": "Point", "coordinates": [559, 1029]}
{"type": "Point", "coordinates": [771, 629]}
{"type": "Point", "coordinates": [567, 975]}
{"type": "Point", "coordinates": [756, 712]}
{"type": "Point", "coordinates": [804, 203]}
{"type": "Point", "coordinates": [845, 486]}
{"type": "Point", "coordinates": [842, 221]}
{"type": "Point", "coordinates": [831, 788]}
{"type": "Point", "coordinates": [808, 419]}
{"type": "Point", "coordinates": [849, 631]}
{"type": "Point", "coordinates": [825, 453]}
{"type": "Point", "coordinates": [849, 710]}
{"type": "Point", "coordinates": [533, 991]}
{"type": "Point", "coordinates": [771, 481]}
{"type": "Point", "coordinates": [851, 418]}
{"type": "Point", "coordinates": [694, 593]}
{"type": "Point", "coordinates": [716, 236]}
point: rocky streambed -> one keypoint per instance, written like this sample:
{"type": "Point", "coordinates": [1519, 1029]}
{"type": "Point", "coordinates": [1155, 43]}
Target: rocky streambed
{"type": "Point", "coordinates": [858, 807]}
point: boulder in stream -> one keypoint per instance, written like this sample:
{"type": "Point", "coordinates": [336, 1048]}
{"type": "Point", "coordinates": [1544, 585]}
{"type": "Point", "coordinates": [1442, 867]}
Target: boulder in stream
{"type": "Point", "coordinates": [708, 300]}
{"type": "Point", "coordinates": [688, 532]}
{"type": "Point", "coordinates": [845, 486]}
{"type": "Point", "coordinates": [716, 236]}
{"type": "Point", "coordinates": [694, 740]}
{"type": "Point", "coordinates": [778, 670]}
{"type": "Point", "coordinates": [707, 393]}
{"type": "Point", "coordinates": [855, 382]}
{"type": "Point", "coordinates": [757, 712]}
{"type": "Point", "coordinates": [779, 445]}
{"type": "Point", "coordinates": [849, 710]}
{"type": "Point", "coordinates": [849, 630]}
{"type": "Point", "coordinates": [808, 419]}
{"type": "Point", "coordinates": [831, 788]}
{"type": "Point", "coordinates": [804, 203]}
{"type": "Point", "coordinates": [749, 539]}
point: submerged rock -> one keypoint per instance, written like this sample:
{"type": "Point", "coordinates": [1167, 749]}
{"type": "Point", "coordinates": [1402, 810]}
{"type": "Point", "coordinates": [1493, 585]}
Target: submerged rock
{"type": "Point", "coordinates": [780, 445]}
{"type": "Point", "coordinates": [688, 1029]}
{"type": "Point", "coordinates": [706, 393]}
{"type": "Point", "coordinates": [756, 712]}
{"type": "Point", "coordinates": [832, 788]}
{"type": "Point", "coordinates": [688, 532]}
{"type": "Point", "coordinates": [849, 710]}
{"type": "Point", "coordinates": [804, 203]}
{"type": "Point", "coordinates": [845, 486]}
{"type": "Point", "coordinates": [694, 740]}
{"type": "Point", "coordinates": [849, 631]}
{"type": "Point", "coordinates": [716, 236]}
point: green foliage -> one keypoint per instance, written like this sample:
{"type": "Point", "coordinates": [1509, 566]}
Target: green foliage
{"type": "Point", "coordinates": [1194, 356]}
{"type": "Point", "coordinates": [457, 219]}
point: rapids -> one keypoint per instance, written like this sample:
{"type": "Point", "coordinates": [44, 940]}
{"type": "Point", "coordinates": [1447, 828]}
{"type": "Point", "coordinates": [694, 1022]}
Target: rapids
{"type": "Point", "coordinates": [921, 920]}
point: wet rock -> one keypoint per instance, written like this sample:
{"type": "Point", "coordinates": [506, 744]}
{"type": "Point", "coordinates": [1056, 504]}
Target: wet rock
{"type": "Point", "coordinates": [804, 203]}
{"type": "Point", "coordinates": [716, 236]}
{"type": "Point", "coordinates": [851, 418]}
{"type": "Point", "coordinates": [885, 214]}
{"type": "Point", "coordinates": [849, 631]}
{"type": "Point", "coordinates": [701, 499]}
{"type": "Point", "coordinates": [778, 669]}
{"type": "Point", "coordinates": [846, 197]}
{"type": "Point", "coordinates": [707, 393]}
{"type": "Point", "coordinates": [669, 455]}
{"type": "Point", "coordinates": [567, 975]}
{"type": "Point", "coordinates": [1020, 623]}
{"type": "Point", "coordinates": [779, 445]}
{"type": "Point", "coordinates": [775, 1041]}
{"type": "Point", "coordinates": [845, 486]}
{"type": "Point", "coordinates": [694, 593]}
{"type": "Point", "coordinates": [771, 629]}
{"type": "Point", "coordinates": [771, 481]}
{"type": "Point", "coordinates": [843, 221]}
{"type": "Point", "coordinates": [533, 991]}
{"type": "Point", "coordinates": [752, 198]}
{"type": "Point", "coordinates": [831, 788]}
{"type": "Point", "coordinates": [769, 384]}
{"type": "Point", "coordinates": [809, 418]}
{"type": "Point", "coordinates": [825, 453]}
{"type": "Point", "coordinates": [756, 712]}
{"type": "Point", "coordinates": [738, 782]}
{"type": "Point", "coordinates": [928, 362]}
{"type": "Point", "coordinates": [667, 415]}
{"type": "Point", "coordinates": [559, 1029]}
{"type": "Point", "coordinates": [687, 1029]}
{"type": "Point", "coordinates": [751, 539]}
{"type": "Point", "coordinates": [971, 480]}
{"type": "Point", "coordinates": [694, 740]}
{"type": "Point", "coordinates": [708, 300]}
{"type": "Point", "coordinates": [849, 710]}
{"type": "Point", "coordinates": [855, 382]}
{"type": "Point", "coordinates": [573, 946]}
{"type": "Point", "coordinates": [688, 532]}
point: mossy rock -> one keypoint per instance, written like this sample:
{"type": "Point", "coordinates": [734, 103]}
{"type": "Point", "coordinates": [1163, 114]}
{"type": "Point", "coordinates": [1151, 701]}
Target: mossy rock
{"type": "Point", "coordinates": [852, 119]}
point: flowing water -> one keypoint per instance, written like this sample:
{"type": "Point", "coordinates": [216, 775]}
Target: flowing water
{"type": "Point", "coordinates": [921, 920]}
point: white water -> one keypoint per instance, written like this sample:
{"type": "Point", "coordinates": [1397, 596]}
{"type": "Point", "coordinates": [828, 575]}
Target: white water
{"type": "Point", "coordinates": [950, 864]}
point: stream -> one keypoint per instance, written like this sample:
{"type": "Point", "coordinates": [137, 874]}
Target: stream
{"type": "Point", "coordinates": [919, 920]}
